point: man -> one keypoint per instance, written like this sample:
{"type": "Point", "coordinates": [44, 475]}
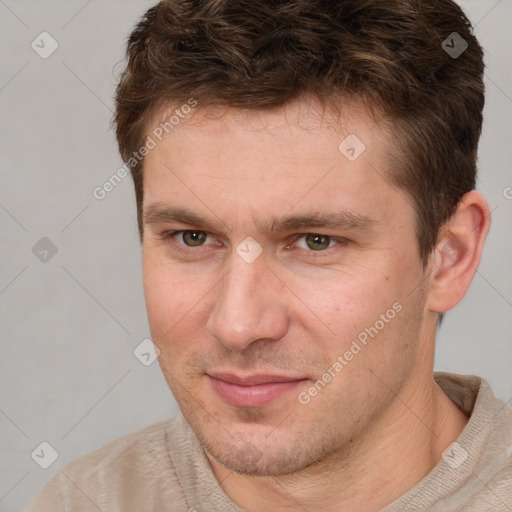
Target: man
{"type": "Point", "coordinates": [304, 175]}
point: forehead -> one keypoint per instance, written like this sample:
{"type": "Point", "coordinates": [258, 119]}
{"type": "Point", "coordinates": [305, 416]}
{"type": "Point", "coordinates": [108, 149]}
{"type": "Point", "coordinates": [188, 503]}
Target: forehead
{"type": "Point", "coordinates": [270, 161]}
{"type": "Point", "coordinates": [303, 131]}
{"type": "Point", "coordinates": [306, 114]}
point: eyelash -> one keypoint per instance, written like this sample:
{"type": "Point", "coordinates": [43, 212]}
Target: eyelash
{"type": "Point", "coordinates": [185, 248]}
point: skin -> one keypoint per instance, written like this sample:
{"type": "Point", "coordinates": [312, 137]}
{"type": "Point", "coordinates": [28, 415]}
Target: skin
{"type": "Point", "coordinates": [381, 423]}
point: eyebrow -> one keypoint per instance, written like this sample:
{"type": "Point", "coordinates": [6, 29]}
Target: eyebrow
{"type": "Point", "coordinates": [157, 213]}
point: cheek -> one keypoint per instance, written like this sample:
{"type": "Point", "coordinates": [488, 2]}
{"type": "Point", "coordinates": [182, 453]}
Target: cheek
{"type": "Point", "coordinates": [343, 305]}
{"type": "Point", "coordinates": [374, 324]}
{"type": "Point", "coordinates": [171, 298]}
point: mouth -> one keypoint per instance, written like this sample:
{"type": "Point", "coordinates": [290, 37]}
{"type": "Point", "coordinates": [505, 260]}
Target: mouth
{"type": "Point", "coordinates": [252, 390]}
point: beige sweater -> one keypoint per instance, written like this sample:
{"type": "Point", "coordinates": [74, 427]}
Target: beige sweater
{"type": "Point", "coordinates": [163, 468]}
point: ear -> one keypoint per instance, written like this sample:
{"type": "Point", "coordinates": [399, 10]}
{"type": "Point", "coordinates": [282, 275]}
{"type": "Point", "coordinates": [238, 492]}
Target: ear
{"type": "Point", "coordinates": [457, 255]}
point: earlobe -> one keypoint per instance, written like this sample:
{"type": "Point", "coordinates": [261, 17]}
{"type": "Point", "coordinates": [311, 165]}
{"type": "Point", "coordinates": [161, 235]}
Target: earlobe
{"type": "Point", "coordinates": [458, 252]}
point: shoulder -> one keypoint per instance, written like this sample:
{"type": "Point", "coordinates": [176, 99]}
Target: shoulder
{"type": "Point", "coordinates": [141, 446]}
{"type": "Point", "coordinates": [482, 466]}
{"type": "Point", "coordinates": [475, 472]}
{"type": "Point", "coordinates": [133, 472]}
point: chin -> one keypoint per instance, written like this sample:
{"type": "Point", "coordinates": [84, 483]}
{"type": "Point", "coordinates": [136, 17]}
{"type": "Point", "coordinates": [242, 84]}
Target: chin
{"type": "Point", "coordinates": [258, 452]}
{"type": "Point", "coordinates": [251, 461]}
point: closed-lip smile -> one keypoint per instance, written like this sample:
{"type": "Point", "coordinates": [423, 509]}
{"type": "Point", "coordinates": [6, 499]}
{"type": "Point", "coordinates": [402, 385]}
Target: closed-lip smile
{"type": "Point", "coordinates": [254, 390]}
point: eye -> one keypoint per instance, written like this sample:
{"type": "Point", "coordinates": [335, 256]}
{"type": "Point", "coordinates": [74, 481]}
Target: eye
{"type": "Point", "coordinates": [189, 238]}
{"type": "Point", "coordinates": [316, 242]}
{"type": "Point", "coordinates": [310, 242]}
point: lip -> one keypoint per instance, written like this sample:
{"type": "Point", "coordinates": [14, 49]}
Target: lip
{"type": "Point", "coordinates": [252, 390]}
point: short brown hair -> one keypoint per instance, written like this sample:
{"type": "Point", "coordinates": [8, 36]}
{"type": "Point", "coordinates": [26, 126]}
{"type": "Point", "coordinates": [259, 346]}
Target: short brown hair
{"type": "Point", "coordinates": [260, 54]}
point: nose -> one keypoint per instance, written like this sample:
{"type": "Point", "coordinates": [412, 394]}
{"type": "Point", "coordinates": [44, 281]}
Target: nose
{"type": "Point", "coordinates": [249, 305]}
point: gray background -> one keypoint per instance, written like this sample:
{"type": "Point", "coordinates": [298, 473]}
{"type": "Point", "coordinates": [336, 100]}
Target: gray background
{"type": "Point", "coordinates": [68, 374]}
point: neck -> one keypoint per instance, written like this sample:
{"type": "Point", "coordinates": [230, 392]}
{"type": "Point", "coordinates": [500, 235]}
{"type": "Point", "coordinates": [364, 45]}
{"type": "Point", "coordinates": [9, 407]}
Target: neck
{"type": "Point", "coordinates": [385, 461]}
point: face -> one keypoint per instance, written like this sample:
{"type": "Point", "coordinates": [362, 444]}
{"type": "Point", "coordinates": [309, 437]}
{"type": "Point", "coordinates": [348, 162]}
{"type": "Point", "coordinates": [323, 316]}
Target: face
{"type": "Point", "coordinates": [281, 280]}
